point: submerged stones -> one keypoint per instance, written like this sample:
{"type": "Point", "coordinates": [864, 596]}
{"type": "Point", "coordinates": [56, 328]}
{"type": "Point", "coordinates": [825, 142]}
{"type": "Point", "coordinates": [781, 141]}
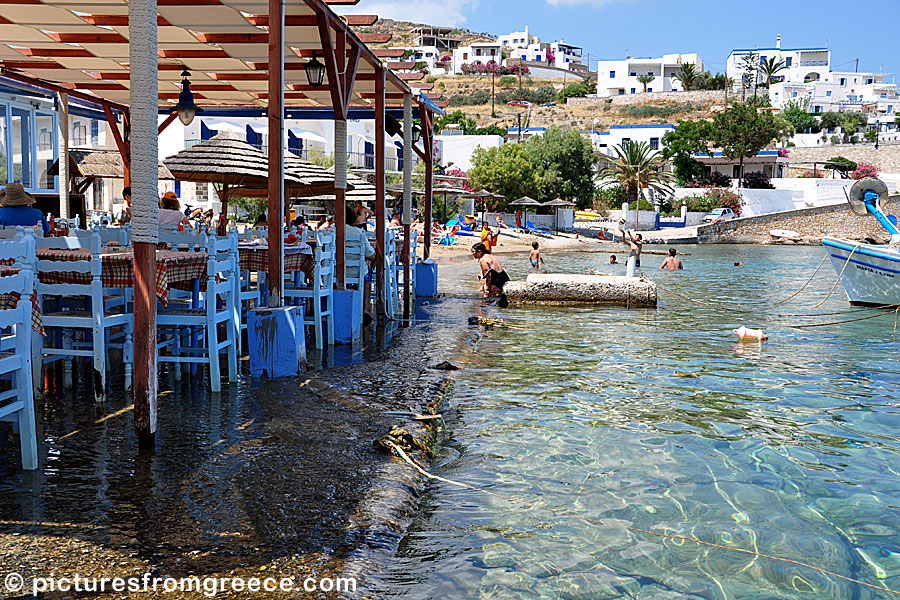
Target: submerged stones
{"type": "Point", "coordinates": [582, 289]}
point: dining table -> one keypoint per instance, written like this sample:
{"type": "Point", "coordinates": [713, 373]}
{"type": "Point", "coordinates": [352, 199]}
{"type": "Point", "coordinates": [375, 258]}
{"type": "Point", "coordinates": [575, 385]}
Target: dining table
{"type": "Point", "coordinates": [11, 300]}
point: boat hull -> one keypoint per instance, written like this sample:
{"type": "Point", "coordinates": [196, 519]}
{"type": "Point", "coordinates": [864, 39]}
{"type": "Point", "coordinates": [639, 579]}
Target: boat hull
{"type": "Point", "coordinates": [872, 278]}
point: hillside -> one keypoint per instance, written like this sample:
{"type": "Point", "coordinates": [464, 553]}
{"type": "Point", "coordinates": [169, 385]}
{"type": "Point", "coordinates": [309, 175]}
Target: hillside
{"type": "Point", "coordinates": [402, 33]}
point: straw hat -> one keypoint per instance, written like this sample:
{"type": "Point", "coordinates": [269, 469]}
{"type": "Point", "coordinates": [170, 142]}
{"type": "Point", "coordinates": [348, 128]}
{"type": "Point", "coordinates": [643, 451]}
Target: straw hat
{"type": "Point", "coordinates": [15, 195]}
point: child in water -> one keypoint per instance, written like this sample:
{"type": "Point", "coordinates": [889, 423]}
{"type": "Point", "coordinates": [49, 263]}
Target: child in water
{"type": "Point", "coordinates": [535, 256]}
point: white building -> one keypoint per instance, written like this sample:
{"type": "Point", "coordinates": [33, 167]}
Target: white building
{"type": "Point", "coordinates": [565, 56]}
{"type": "Point", "coordinates": [480, 53]}
{"type": "Point", "coordinates": [457, 150]}
{"type": "Point", "coordinates": [518, 39]}
{"type": "Point", "coordinates": [841, 91]}
{"type": "Point", "coordinates": [619, 77]}
{"type": "Point", "coordinates": [650, 134]}
{"type": "Point", "coordinates": [431, 56]}
{"type": "Point", "coordinates": [804, 65]}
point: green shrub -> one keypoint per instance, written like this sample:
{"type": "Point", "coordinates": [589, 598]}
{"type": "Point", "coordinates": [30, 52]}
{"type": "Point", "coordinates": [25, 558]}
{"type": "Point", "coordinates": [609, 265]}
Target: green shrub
{"type": "Point", "coordinates": [430, 79]}
{"type": "Point", "coordinates": [645, 111]}
{"type": "Point", "coordinates": [507, 81]}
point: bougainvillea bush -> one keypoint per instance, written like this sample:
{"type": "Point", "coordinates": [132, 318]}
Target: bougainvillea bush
{"type": "Point", "coordinates": [714, 198]}
{"type": "Point", "coordinates": [863, 170]}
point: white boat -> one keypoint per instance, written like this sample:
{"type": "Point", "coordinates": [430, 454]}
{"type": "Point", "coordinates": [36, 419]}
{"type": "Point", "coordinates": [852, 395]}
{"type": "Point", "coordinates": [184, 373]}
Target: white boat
{"type": "Point", "coordinates": [873, 276]}
{"type": "Point", "coordinates": [870, 273]}
{"type": "Point", "coordinates": [784, 234]}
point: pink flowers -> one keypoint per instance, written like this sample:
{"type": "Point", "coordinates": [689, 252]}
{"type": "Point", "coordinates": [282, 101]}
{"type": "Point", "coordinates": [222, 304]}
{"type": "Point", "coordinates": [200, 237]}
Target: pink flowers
{"type": "Point", "coordinates": [863, 170]}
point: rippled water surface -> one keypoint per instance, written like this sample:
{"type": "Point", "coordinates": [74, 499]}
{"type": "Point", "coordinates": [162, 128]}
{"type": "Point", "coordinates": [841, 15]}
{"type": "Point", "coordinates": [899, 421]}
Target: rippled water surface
{"type": "Point", "coordinates": [660, 420]}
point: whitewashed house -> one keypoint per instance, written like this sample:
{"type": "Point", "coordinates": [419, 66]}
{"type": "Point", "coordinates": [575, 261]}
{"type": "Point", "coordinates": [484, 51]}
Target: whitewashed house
{"type": "Point", "coordinates": [651, 134]}
{"type": "Point", "coordinates": [480, 53]}
{"type": "Point", "coordinates": [619, 77]}
{"type": "Point", "coordinates": [518, 39]}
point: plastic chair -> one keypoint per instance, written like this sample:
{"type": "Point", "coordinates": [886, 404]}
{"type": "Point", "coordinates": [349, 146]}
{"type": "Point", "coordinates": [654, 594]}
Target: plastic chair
{"type": "Point", "coordinates": [221, 267]}
{"type": "Point", "coordinates": [320, 291]}
{"type": "Point", "coordinates": [17, 364]}
{"type": "Point", "coordinates": [91, 316]}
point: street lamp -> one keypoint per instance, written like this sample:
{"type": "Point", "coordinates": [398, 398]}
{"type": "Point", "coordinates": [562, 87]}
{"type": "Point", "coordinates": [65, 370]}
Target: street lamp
{"type": "Point", "coordinates": [186, 108]}
{"type": "Point", "coordinates": [315, 72]}
{"type": "Point", "coordinates": [416, 133]}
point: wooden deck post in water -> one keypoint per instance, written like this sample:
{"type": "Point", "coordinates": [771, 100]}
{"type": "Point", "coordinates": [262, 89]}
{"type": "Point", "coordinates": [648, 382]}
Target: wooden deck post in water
{"type": "Point", "coordinates": [407, 193]}
{"type": "Point", "coordinates": [380, 208]}
{"type": "Point", "coordinates": [144, 174]}
{"type": "Point", "coordinates": [275, 276]}
{"type": "Point", "coordinates": [428, 143]}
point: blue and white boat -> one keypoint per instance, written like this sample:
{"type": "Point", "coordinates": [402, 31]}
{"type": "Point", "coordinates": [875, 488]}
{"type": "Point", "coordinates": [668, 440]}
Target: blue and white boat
{"type": "Point", "coordinates": [870, 273]}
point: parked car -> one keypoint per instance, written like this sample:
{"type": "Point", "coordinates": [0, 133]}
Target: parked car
{"type": "Point", "coordinates": [518, 103]}
{"type": "Point", "coordinates": [718, 214]}
{"type": "Point", "coordinates": [549, 104]}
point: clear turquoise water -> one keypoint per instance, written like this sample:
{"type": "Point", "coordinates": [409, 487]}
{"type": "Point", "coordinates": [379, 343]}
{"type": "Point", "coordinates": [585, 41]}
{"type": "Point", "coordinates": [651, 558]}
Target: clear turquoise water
{"type": "Point", "coordinates": [660, 420]}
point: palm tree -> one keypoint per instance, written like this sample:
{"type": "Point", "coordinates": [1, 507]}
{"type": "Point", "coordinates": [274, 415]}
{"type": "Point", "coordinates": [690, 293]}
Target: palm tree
{"type": "Point", "coordinates": [770, 68]}
{"type": "Point", "coordinates": [645, 79]}
{"type": "Point", "coordinates": [687, 75]}
{"type": "Point", "coordinates": [634, 166]}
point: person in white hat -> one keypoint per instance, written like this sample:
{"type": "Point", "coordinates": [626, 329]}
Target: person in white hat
{"type": "Point", "coordinates": [15, 208]}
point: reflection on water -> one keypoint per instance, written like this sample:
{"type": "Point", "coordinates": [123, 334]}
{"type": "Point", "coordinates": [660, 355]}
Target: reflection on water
{"type": "Point", "coordinates": [659, 419]}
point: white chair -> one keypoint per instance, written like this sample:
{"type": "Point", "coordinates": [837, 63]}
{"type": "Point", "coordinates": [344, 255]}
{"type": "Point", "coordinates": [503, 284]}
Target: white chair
{"type": "Point", "coordinates": [413, 250]}
{"type": "Point", "coordinates": [390, 274]}
{"type": "Point", "coordinates": [92, 317]}
{"type": "Point", "coordinates": [71, 223]}
{"type": "Point", "coordinates": [221, 268]}
{"type": "Point", "coordinates": [320, 291]}
{"type": "Point", "coordinates": [18, 248]}
{"type": "Point", "coordinates": [17, 364]}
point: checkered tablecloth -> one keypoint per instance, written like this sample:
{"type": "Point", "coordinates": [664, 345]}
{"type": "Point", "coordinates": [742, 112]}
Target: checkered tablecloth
{"type": "Point", "coordinates": [257, 259]}
{"type": "Point", "coordinates": [8, 301]}
{"type": "Point", "coordinates": [173, 269]}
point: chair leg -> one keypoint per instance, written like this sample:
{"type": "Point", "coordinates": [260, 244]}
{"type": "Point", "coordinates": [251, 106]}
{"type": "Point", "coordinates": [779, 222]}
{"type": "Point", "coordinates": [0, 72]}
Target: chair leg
{"type": "Point", "coordinates": [212, 341]}
{"type": "Point", "coordinates": [233, 334]}
{"type": "Point", "coordinates": [317, 315]}
{"type": "Point", "coordinates": [67, 362]}
{"type": "Point", "coordinates": [27, 428]}
{"type": "Point", "coordinates": [329, 303]}
{"type": "Point", "coordinates": [99, 346]}
{"type": "Point", "coordinates": [128, 355]}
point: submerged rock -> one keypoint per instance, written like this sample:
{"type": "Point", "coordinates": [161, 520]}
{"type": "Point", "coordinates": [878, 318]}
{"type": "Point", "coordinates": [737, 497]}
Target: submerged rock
{"type": "Point", "coordinates": [582, 289]}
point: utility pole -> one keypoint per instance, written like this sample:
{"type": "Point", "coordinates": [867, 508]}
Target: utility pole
{"type": "Point", "coordinates": [493, 111]}
{"type": "Point", "coordinates": [519, 137]}
{"type": "Point", "coordinates": [857, 66]}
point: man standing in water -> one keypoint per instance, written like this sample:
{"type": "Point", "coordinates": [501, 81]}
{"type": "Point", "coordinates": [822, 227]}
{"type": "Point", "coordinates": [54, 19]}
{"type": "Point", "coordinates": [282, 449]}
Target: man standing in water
{"type": "Point", "coordinates": [491, 269]}
{"type": "Point", "coordinates": [634, 256]}
{"type": "Point", "coordinates": [671, 263]}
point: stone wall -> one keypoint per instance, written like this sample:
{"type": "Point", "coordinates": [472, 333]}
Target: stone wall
{"type": "Point", "coordinates": [886, 158]}
{"type": "Point", "coordinates": [837, 220]}
{"type": "Point", "coordinates": [642, 98]}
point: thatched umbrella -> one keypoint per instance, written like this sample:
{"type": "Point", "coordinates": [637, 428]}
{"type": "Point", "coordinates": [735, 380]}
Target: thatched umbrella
{"type": "Point", "coordinates": [482, 195]}
{"type": "Point", "coordinates": [445, 189]}
{"type": "Point", "coordinates": [240, 169]}
{"type": "Point", "coordinates": [557, 204]}
{"type": "Point", "coordinates": [526, 202]}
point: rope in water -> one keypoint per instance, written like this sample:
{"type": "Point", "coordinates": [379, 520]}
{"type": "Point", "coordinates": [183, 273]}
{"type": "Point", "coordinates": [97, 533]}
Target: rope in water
{"type": "Point", "coordinates": [685, 538]}
{"type": "Point", "coordinates": [803, 287]}
{"type": "Point", "coordinates": [840, 275]}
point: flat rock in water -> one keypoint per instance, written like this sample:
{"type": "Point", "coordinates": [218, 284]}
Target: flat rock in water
{"type": "Point", "coordinates": [582, 289]}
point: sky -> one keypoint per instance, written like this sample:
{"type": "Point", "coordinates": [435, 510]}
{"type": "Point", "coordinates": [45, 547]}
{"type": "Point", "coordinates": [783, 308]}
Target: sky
{"type": "Point", "coordinates": [610, 29]}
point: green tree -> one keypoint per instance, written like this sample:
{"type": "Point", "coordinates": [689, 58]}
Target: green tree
{"type": "Point", "coordinates": [645, 79]}
{"type": "Point", "coordinates": [797, 114]}
{"type": "Point", "coordinates": [466, 124]}
{"type": "Point", "coordinates": [635, 166]}
{"type": "Point", "coordinates": [577, 90]}
{"type": "Point", "coordinates": [687, 75]}
{"type": "Point", "coordinates": [491, 130]}
{"type": "Point", "coordinates": [743, 130]}
{"type": "Point", "coordinates": [851, 122]}
{"type": "Point", "coordinates": [563, 161]}
{"type": "Point", "coordinates": [680, 146]}
{"type": "Point", "coordinates": [505, 170]}
{"type": "Point", "coordinates": [770, 67]}
{"type": "Point", "coordinates": [750, 68]}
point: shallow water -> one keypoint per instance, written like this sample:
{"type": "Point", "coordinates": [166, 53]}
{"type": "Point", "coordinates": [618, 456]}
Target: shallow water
{"type": "Point", "coordinates": [660, 420]}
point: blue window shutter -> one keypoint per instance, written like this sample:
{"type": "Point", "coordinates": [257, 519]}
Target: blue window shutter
{"type": "Point", "coordinates": [205, 132]}
{"type": "Point", "coordinates": [95, 131]}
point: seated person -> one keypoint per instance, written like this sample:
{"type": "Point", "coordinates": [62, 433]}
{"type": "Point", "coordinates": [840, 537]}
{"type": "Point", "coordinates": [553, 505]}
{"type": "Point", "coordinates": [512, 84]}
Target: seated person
{"type": "Point", "coordinates": [261, 221]}
{"type": "Point", "coordinates": [436, 228]}
{"type": "Point", "coordinates": [125, 217]}
{"type": "Point", "coordinates": [170, 215]}
{"type": "Point", "coordinates": [500, 222]}
{"type": "Point", "coordinates": [395, 222]}
{"type": "Point", "coordinates": [492, 272]}
{"type": "Point", "coordinates": [15, 209]}
{"type": "Point", "coordinates": [355, 238]}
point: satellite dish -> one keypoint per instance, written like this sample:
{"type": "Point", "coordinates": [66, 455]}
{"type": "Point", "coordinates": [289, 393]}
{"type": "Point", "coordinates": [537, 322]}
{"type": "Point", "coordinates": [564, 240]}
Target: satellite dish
{"type": "Point", "coordinates": [857, 195]}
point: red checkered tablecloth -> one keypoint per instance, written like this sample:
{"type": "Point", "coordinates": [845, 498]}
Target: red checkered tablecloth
{"type": "Point", "coordinates": [8, 301]}
{"type": "Point", "coordinates": [173, 269]}
{"type": "Point", "coordinates": [257, 259]}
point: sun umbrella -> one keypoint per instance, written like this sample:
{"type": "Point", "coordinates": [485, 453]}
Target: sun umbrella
{"type": "Point", "coordinates": [525, 202]}
{"type": "Point", "coordinates": [557, 204]}
{"type": "Point", "coordinates": [482, 195]}
{"type": "Point", "coordinates": [445, 189]}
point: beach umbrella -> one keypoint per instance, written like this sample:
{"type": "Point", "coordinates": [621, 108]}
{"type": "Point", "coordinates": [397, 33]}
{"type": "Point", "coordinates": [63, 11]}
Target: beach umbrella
{"type": "Point", "coordinates": [525, 202]}
{"type": "Point", "coordinates": [557, 204]}
{"type": "Point", "coordinates": [237, 169]}
{"type": "Point", "coordinates": [445, 189]}
{"type": "Point", "coordinates": [482, 195]}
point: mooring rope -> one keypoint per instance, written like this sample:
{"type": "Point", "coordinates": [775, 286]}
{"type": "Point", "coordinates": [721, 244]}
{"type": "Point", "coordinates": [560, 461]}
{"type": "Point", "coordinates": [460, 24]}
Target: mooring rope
{"type": "Point", "coordinates": [824, 258]}
{"type": "Point", "coordinates": [841, 274]}
{"type": "Point", "coordinates": [685, 538]}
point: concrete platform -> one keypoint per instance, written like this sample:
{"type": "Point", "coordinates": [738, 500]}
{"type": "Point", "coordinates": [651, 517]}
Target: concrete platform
{"type": "Point", "coordinates": [582, 289]}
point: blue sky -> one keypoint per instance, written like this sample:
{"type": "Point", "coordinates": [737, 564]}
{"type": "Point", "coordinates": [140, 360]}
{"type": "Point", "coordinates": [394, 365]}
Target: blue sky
{"type": "Point", "coordinates": [610, 28]}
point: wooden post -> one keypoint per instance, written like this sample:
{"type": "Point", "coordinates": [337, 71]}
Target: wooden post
{"type": "Point", "coordinates": [340, 199]}
{"type": "Point", "coordinates": [380, 207]}
{"type": "Point", "coordinates": [428, 141]}
{"type": "Point", "coordinates": [142, 169]}
{"type": "Point", "coordinates": [407, 193]}
{"type": "Point", "coordinates": [63, 123]}
{"type": "Point", "coordinates": [275, 276]}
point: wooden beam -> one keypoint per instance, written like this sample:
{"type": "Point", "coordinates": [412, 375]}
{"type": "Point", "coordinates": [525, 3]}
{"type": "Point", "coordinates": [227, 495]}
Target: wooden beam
{"type": "Point", "coordinates": [58, 88]}
{"type": "Point", "coordinates": [121, 144]}
{"type": "Point", "coordinates": [89, 85]}
{"type": "Point", "coordinates": [350, 68]}
{"type": "Point", "coordinates": [428, 143]}
{"type": "Point", "coordinates": [88, 38]}
{"type": "Point", "coordinates": [287, 95]}
{"type": "Point", "coordinates": [276, 152]}
{"type": "Point", "coordinates": [167, 122]}
{"type": "Point", "coordinates": [421, 86]}
{"type": "Point", "coordinates": [388, 52]}
{"type": "Point", "coordinates": [310, 20]}
{"type": "Point", "coordinates": [375, 38]}
{"type": "Point", "coordinates": [117, 20]}
{"type": "Point", "coordinates": [31, 65]}
{"type": "Point", "coordinates": [193, 54]}
{"type": "Point", "coordinates": [56, 52]}
{"type": "Point", "coordinates": [331, 66]}
{"type": "Point", "coordinates": [233, 38]}
{"type": "Point", "coordinates": [410, 76]}
{"type": "Point", "coordinates": [401, 64]}
{"type": "Point", "coordinates": [380, 207]}
{"type": "Point", "coordinates": [288, 66]}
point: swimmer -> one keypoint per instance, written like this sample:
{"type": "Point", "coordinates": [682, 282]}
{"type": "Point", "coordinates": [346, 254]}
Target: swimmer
{"type": "Point", "coordinates": [738, 264]}
{"type": "Point", "coordinates": [612, 259]}
{"type": "Point", "coordinates": [672, 263]}
{"type": "Point", "coordinates": [535, 256]}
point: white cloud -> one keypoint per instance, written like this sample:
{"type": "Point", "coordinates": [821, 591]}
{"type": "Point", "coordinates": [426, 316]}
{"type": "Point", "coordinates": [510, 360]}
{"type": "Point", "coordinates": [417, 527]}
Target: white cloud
{"type": "Point", "coordinates": [444, 13]}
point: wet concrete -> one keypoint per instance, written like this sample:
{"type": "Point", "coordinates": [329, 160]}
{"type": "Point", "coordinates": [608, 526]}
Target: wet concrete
{"type": "Point", "coordinates": [275, 478]}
